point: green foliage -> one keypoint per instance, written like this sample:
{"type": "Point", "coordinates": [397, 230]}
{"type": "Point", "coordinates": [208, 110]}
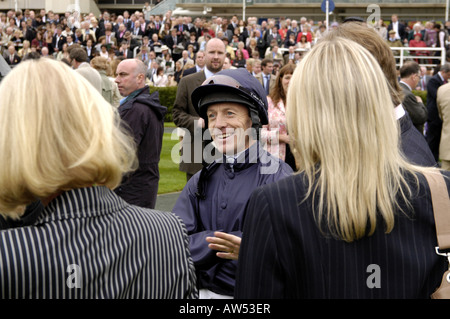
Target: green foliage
{"type": "Point", "coordinates": [422, 94]}
{"type": "Point", "coordinates": [167, 97]}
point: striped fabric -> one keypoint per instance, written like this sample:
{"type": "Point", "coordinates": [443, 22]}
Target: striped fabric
{"type": "Point", "coordinates": [89, 243]}
{"type": "Point", "coordinates": [284, 255]}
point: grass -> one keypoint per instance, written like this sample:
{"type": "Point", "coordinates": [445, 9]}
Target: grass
{"type": "Point", "coordinates": [171, 179]}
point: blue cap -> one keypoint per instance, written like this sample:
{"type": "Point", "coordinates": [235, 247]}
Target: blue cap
{"type": "Point", "coordinates": [232, 86]}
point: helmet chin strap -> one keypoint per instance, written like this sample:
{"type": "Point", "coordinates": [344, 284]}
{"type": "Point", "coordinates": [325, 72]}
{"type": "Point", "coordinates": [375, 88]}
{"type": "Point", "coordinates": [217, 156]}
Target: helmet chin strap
{"type": "Point", "coordinates": [256, 123]}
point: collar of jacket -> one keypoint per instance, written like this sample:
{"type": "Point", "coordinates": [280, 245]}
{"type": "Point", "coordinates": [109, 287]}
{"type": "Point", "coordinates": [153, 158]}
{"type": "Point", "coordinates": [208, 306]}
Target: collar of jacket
{"type": "Point", "coordinates": [244, 159]}
{"type": "Point", "coordinates": [247, 158]}
{"type": "Point", "coordinates": [81, 203]}
{"type": "Point", "coordinates": [134, 94]}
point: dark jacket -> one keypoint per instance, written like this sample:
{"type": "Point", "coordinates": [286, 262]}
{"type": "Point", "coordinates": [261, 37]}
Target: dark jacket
{"type": "Point", "coordinates": [184, 116]}
{"type": "Point", "coordinates": [225, 190]}
{"type": "Point", "coordinates": [284, 254]}
{"type": "Point", "coordinates": [434, 122]}
{"type": "Point", "coordinates": [413, 144]}
{"type": "Point", "coordinates": [144, 115]}
{"type": "Point", "coordinates": [416, 110]}
{"type": "Point", "coordinates": [114, 249]}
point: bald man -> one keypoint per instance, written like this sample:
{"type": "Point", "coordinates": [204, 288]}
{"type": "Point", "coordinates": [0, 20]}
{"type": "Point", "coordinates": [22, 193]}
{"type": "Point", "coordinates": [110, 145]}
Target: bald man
{"type": "Point", "coordinates": [144, 115]}
{"type": "Point", "coordinates": [184, 114]}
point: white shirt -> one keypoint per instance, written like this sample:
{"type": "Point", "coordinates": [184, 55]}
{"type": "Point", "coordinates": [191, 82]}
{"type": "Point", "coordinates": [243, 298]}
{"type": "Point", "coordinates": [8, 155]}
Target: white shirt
{"type": "Point", "coordinates": [395, 28]}
{"type": "Point", "coordinates": [399, 111]}
{"type": "Point", "coordinates": [208, 73]}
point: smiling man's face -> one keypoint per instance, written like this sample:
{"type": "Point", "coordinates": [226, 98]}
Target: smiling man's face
{"type": "Point", "coordinates": [229, 125]}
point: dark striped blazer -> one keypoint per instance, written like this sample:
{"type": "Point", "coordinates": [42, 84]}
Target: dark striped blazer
{"type": "Point", "coordinates": [89, 243]}
{"type": "Point", "coordinates": [284, 254]}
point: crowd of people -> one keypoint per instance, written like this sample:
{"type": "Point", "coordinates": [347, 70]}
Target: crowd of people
{"type": "Point", "coordinates": [301, 186]}
{"type": "Point", "coordinates": [169, 45]}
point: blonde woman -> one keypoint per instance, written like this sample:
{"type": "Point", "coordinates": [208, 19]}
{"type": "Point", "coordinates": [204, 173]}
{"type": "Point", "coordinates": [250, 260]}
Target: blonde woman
{"type": "Point", "coordinates": [356, 205]}
{"type": "Point", "coordinates": [26, 48]}
{"type": "Point", "coordinates": [64, 53]}
{"type": "Point", "coordinates": [70, 150]}
{"type": "Point", "coordinates": [101, 64]}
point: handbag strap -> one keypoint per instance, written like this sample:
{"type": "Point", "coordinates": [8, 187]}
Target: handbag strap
{"type": "Point", "coordinates": [441, 208]}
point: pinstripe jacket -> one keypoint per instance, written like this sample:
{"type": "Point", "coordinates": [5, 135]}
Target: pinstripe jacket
{"type": "Point", "coordinates": [283, 253]}
{"type": "Point", "coordinates": [89, 243]}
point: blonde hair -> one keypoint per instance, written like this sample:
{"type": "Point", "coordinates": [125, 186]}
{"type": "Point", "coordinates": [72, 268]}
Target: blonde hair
{"type": "Point", "coordinates": [54, 139]}
{"type": "Point", "coordinates": [100, 63]}
{"type": "Point", "coordinates": [345, 139]}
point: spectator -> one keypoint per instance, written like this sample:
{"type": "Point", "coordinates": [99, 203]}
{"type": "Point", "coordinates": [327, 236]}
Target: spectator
{"type": "Point", "coordinates": [442, 102]}
{"type": "Point", "coordinates": [39, 42]}
{"type": "Point", "coordinates": [413, 144]}
{"type": "Point", "coordinates": [383, 201]}
{"type": "Point", "coordinates": [307, 33]}
{"type": "Point", "coordinates": [143, 54]}
{"type": "Point", "coordinates": [144, 115]}
{"type": "Point", "coordinates": [104, 51]}
{"type": "Point", "coordinates": [160, 78]}
{"type": "Point", "coordinates": [265, 77]}
{"type": "Point", "coordinates": [431, 36]}
{"type": "Point", "coordinates": [398, 27]}
{"type": "Point", "coordinates": [290, 41]}
{"type": "Point", "coordinates": [424, 78]}
{"type": "Point", "coordinates": [274, 135]}
{"type": "Point", "coordinates": [303, 43]}
{"type": "Point", "coordinates": [78, 59]}
{"type": "Point", "coordinates": [252, 46]}
{"type": "Point", "coordinates": [108, 87]}
{"type": "Point", "coordinates": [241, 46]}
{"type": "Point", "coordinates": [192, 41]}
{"type": "Point", "coordinates": [240, 61]}
{"type": "Point", "coordinates": [321, 32]}
{"type": "Point", "coordinates": [185, 115]}
{"type": "Point", "coordinates": [45, 53]}
{"type": "Point", "coordinates": [13, 58]}
{"type": "Point", "coordinates": [393, 42]}
{"type": "Point", "coordinates": [229, 49]}
{"type": "Point", "coordinates": [178, 72]}
{"type": "Point", "coordinates": [434, 122]}
{"type": "Point", "coordinates": [70, 152]}
{"type": "Point", "coordinates": [409, 78]}
{"type": "Point", "coordinates": [249, 65]}
{"type": "Point", "coordinates": [290, 55]}
{"type": "Point", "coordinates": [155, 43]}
{"type": "Point", "coordinates": [227, 64]}
{"type": "Point", "coordinates": [417, 28]}
{"type": "Point", "coordinates": [124, 51]}
{"type": "Point", "coordinates": [418, 43]}
{"type": "Point", "coordinates": [283, 30]}
{"type": "Point", "coordinates": [168, 64]}
{"type": "Point", "coordinates": [274, 54]}
{"type": "Point", "coordinates": [26, 48]}
{"type": "Point", "coordinates": [199, 64]}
